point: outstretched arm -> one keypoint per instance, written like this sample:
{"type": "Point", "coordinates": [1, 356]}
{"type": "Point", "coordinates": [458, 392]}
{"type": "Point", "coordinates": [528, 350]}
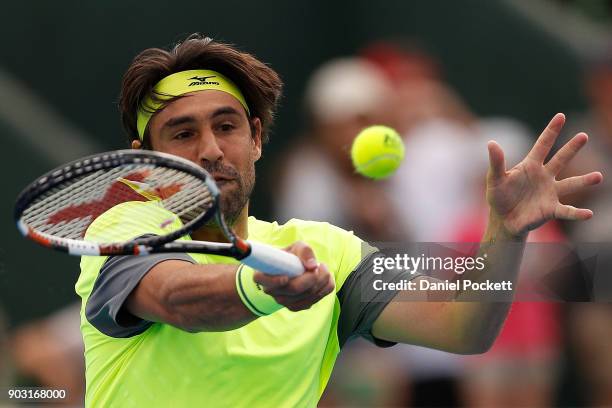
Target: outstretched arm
{"type": "Point", "coordinates": [205, 298]}
{"type": "Point", "coordinates": [520, 200]}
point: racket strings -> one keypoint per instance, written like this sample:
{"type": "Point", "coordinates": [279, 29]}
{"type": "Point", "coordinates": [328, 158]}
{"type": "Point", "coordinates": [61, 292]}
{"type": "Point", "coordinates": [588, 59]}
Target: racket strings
{"type": "Point", "coordinates": [67, 210]}
{"type": "Point", "coordinates": [75, 191]}
{"type": "Point", "coordinates": [193, 199]}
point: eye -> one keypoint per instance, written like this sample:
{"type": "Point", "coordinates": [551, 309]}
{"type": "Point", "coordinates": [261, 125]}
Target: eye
{"type": "Point", "coordinates": [226, 127]}
{"type": "Point", "coordinates": [182, 135]}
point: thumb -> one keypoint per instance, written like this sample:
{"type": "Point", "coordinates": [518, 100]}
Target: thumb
{"type": "Point", "coordinates": [497, 163]}
{"type": "Point", "coordinates": [305, 253]}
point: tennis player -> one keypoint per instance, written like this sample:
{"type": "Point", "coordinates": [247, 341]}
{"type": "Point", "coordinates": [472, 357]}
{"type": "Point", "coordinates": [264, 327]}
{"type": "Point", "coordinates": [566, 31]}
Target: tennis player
{"type": "Point", "coordinates": [188, 330]}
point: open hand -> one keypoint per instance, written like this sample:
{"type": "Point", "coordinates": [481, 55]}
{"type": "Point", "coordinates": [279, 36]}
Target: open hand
{"type": "Point", "coordinates": [527, 195]}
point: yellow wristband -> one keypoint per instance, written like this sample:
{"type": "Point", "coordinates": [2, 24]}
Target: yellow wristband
{"type": "Point", "coordinates": [252, 294]}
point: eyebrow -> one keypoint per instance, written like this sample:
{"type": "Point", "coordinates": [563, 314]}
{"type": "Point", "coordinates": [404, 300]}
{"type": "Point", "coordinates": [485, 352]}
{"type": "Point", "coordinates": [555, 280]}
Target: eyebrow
{"type": "Point", "coordinates": [181, 120]}
{"type": "Point", "coordinates": [225, 110]}
{"type": "Point", "coordinates": [178, 120]}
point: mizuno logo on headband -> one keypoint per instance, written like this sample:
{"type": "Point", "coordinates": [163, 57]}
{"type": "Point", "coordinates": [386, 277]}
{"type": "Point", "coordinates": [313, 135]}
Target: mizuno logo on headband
{"type": "Point", "coordinates": [203, 80]}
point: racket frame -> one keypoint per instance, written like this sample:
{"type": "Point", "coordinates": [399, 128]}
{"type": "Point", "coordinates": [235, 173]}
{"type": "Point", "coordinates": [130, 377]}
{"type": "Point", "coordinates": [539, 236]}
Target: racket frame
{"type": "Point", "coordinates": [137, 246]}
{"type": "Point", "coordinates": [257, 255]}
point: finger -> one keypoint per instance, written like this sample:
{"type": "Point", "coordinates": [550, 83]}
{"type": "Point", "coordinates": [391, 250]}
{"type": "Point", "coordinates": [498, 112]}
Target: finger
{"type": "Point", "coordinates": [566, 153]}
{"type": "Point", "coordinates": [305, 253]}
{"type": "Point", "coordinates": [298, 286]}
{"type": "Point", "coordinates": [567, 212]}
{"type": "Point", "coordinates": [545, 142]}
{"type": "Point", "coordinates": [322, 281]}
{"type": "Point", "coordinates": [297, 290]}
{"type": "Point", "coordinates": [270, 282]}
{"type": "Point", "coordinates": [302, 302]}
{"type": "Point", "coordinates": [497, 162]}
{"type": "Point", "coordinates": [306, 303]}
{"type": "Point", "coordinates": [571, 185]}
{"type": "Point", "coordinates": [328, 288]}
{"type": "Point", "coordinates": [301, 305]}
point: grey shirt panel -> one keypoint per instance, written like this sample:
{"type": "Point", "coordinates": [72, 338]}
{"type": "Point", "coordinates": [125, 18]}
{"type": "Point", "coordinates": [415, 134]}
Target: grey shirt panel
{"type": "Point", "coordinates": [361, 304]}
{"type": "Point", "coordinates": [117, 279]}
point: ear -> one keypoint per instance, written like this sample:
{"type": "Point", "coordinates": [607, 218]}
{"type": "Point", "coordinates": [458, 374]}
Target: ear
{"type": "Point", "coordinates": [257, 134]}
{"type": "Point", "coordinates": [136, 144]}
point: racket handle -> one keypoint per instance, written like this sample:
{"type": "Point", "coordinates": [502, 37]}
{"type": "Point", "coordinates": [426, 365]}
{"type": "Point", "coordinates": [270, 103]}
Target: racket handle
{"type": "Point", "coordinates": [273, 261]}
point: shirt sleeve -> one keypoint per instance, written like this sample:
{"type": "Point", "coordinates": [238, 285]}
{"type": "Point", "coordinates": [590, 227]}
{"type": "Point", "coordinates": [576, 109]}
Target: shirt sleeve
{"type": "Point", "coordinates": [361, 304]}
{"type": "Point", "coordinates": [118, 277]}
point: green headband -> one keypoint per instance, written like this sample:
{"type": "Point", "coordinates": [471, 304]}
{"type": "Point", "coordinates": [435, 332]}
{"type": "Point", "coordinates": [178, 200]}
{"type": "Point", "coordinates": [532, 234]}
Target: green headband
{"type": "Point", "coordinates": [181, 83]}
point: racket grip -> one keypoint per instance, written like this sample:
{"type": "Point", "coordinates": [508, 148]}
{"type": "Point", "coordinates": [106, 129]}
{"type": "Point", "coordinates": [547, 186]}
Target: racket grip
{"type": "Point", "coordinates": [273, 261]}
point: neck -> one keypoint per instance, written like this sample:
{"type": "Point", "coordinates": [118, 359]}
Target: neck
{"type": "Point", "coordinates": [214, 234]}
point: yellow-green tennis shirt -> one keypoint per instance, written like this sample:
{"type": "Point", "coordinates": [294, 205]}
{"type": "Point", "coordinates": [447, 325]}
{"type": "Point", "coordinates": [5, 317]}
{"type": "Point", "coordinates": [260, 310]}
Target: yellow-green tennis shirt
{"type": "Point", "coordinates": [281, 360]}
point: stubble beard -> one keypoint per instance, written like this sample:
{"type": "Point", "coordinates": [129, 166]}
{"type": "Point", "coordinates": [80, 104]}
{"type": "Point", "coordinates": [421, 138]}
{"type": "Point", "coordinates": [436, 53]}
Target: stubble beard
{"type": "Point", "coordinates": [233, 199]}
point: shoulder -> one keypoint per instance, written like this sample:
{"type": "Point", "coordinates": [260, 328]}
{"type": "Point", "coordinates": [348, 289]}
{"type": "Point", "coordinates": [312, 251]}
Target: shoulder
{"type": "Point", "coordinates": [132, 219]}
{"type": "Point", "coordinates": [117, 225]}
{"type": "Point", "coordinates": [297, 229]}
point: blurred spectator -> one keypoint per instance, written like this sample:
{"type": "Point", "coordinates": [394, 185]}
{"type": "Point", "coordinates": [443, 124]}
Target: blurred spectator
{"type": "Point", "coordinates": [319, 183]}
{"type": "Point", "coordinates": [418, 93]}
{"type": "Point", "coordinates": [50, 352]}
{"type": "Point", "coordinates": [590, 324]}
{"type": "Point", "coordinates": [445, 143]}
{"type": "Point", "coordinates": [597, 154]}
{"type": "Point", "coordinates": [442, 175]}
{"type": "Point", "coordinates": [590, 331]}
{"type": "Point", "coordinates": [439, 183]}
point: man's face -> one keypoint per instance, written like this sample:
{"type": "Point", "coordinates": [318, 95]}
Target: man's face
{"type": "Point", "coordinates": [211, 129]}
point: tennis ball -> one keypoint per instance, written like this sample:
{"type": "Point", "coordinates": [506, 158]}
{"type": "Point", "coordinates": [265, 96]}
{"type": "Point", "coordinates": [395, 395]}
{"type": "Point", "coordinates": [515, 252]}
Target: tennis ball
{"type": "Point", "coordinates": [377, 152]}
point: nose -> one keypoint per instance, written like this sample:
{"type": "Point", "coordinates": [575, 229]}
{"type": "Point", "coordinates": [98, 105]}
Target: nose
{"type": "Point", "coordinates": [208, 148]}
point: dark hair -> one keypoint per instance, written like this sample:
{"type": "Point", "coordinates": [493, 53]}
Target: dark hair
{"type": "Point", "coordinates": [260, 84]}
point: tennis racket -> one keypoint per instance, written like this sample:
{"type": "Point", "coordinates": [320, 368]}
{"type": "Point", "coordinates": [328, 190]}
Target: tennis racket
{"type": "Point", "coordinates": [135, 202]}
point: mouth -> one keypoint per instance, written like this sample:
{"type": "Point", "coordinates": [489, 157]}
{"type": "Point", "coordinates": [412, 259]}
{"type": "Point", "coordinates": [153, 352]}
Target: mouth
{"type": "Point", "coordinates": [222, 180]}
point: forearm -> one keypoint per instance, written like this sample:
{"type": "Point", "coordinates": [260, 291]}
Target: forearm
{"type": "Point", "coordinates": [191, 297]}
{"type": "Point", "coordinates": [480, 315]}
{"type": "Point", "coordinates": [469, 323]}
